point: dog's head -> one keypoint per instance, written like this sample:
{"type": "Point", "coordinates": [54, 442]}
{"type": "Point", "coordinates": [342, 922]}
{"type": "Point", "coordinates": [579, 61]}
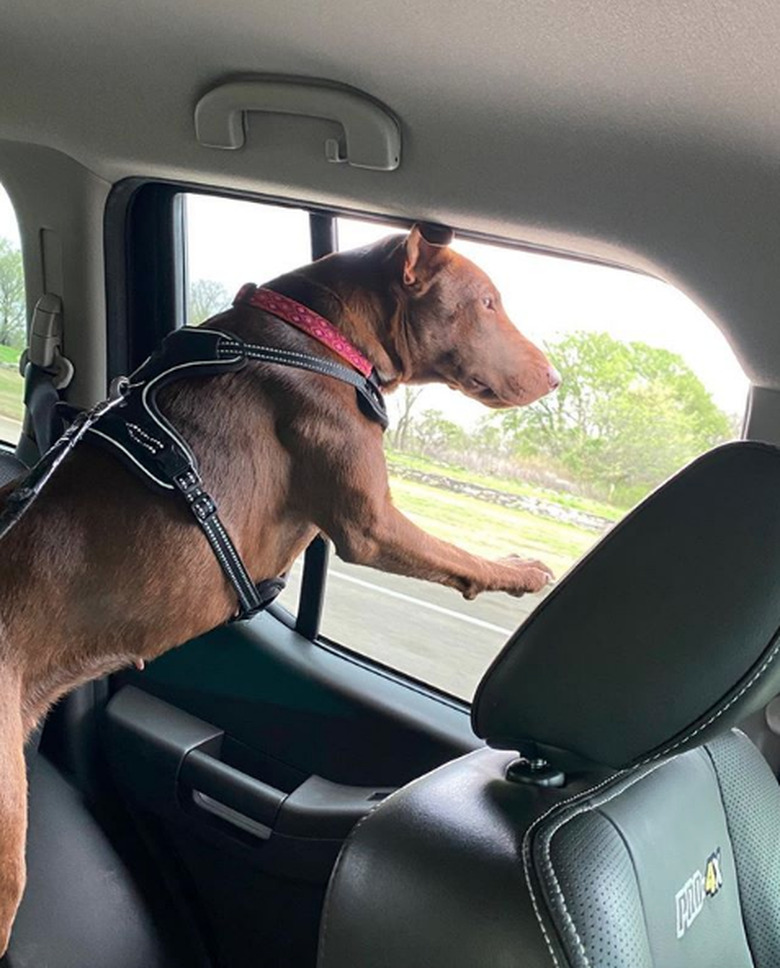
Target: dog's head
{"type": "Point", "coordinates": [458, 330]}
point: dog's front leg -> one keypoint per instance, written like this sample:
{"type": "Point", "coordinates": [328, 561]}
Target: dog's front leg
{"type": "Point", "coordinates": [13, 806]}
{"type": "Point", "coordinates": [384, 538]}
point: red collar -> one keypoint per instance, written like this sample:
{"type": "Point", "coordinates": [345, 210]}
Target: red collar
{"type": "Point", "coordinates": [304, 319]}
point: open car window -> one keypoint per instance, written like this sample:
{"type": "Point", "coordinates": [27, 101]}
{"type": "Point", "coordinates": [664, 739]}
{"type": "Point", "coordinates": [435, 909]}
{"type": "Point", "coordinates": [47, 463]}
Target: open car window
{"type": "Point", "coordinates": [649, 383]}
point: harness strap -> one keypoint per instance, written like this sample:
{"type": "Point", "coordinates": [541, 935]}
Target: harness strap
{"type": "Point", "coordinates": [130, 425]}
{"type": "Point", "coordinates": [19, 500]}
{"type": "Point", "coordinates": [370, 399]}
{"type": "Point", "coordinates": [251, 598]}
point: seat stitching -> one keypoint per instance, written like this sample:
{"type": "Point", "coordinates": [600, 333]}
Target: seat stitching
{"type": "Point", "coordinates": [716, 715]}
{"type": "Point", "coordinates": [526, 857]}
{"type": "Point", "coordinates": [587, 793]}
{"type": "Point", "coordinates": [527, 850]}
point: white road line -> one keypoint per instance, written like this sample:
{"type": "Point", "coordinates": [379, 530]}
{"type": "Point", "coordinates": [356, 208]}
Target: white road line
{"type": "Point", "coordinates": [332, 573]}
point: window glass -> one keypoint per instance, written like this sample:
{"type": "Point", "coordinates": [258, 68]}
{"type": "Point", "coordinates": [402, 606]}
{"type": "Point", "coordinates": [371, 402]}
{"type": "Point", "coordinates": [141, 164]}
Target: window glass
{"type": "Point", "coordinates": [648, 384]}
{"type": "Point", "coordinates": [13, 323]}
{"type": "Point", "coordinates": [230, 242]}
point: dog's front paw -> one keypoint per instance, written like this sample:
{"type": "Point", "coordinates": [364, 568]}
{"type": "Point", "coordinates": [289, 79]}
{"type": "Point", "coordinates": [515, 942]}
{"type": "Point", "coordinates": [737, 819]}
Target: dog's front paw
{"type": "Point", "coordinates": [528, 575]}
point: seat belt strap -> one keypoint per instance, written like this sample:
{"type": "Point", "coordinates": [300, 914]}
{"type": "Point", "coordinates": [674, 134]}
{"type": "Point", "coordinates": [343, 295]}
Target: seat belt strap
{"type": "Point", "coordinates": [41, 397]}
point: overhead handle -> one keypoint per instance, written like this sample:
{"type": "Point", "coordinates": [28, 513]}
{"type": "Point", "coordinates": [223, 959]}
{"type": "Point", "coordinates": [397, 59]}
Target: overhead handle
{"type": "Point", "coordinates": [372, 136]}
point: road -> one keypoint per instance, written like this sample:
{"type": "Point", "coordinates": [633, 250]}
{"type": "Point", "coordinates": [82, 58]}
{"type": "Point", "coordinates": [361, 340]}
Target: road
{"type": "Point", "coordinates": [429, 631]}
{"type": "Point", "coordinates": [9, 430]}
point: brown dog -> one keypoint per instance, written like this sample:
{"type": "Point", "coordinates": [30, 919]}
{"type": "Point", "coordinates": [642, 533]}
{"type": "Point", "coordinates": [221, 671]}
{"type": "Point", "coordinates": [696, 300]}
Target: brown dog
{"type": "Point", "coordinates": [101, 572]}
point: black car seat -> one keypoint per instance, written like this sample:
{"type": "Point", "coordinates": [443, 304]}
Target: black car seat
{"type": "Point", "coordinates": [638, 828]}
{"type": "Point", "coordinates": [82, 907]}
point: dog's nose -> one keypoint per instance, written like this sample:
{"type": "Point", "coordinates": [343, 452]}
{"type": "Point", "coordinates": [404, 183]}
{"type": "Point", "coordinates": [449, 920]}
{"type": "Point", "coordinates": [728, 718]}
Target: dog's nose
{"type": "Point", "coordinates": [553, 378]}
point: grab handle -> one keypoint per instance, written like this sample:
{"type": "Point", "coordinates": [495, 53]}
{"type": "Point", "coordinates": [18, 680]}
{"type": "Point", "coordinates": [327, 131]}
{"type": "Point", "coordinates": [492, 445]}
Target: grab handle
{"type": "Point", "coordinates": [372, 136]}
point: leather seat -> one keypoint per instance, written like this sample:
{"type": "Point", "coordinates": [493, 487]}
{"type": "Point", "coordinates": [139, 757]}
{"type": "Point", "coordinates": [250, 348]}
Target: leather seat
{"type": "Point", "coordinates": [660, 848]}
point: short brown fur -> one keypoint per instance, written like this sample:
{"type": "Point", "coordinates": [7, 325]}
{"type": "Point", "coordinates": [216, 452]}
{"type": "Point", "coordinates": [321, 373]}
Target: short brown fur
{"type": "Point", "coordinates": [101, 572]}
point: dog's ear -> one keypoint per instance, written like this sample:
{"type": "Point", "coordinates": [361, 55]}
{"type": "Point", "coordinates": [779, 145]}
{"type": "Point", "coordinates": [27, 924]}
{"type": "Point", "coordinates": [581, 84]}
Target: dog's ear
{"type": "Point", "coordinates": [424, 248]}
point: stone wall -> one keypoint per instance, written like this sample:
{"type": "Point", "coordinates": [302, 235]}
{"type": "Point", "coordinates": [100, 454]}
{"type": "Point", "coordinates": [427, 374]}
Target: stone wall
{"type": "Point", "coordinates": [545, 509]}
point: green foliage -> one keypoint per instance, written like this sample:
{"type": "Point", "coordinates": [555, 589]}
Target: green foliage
{"type": "Point", "coordinates": [206, 297]}
{"type": "Point", "coordinates": [626, 416]}
{"type": "Point", "coordinates": [433, 433]}
{"type": "Point", "coordinates": [13, 320]}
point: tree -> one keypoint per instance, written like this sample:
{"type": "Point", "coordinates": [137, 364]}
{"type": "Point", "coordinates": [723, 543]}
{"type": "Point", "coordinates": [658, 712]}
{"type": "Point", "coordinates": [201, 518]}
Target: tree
{"type": "Point", "coordinates": [626, 416]}
{"type": "Point", "coordinates": [408, 398]}
{"type": "Point", "coordinates": [434, 434]}
{"type": "Point", "coordinates": [13, 320]}
{"type": "Point", "coordinates": [206, 298]}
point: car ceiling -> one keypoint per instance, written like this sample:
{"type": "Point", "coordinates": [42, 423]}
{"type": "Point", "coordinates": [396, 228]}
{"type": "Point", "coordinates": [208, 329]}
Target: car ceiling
{"type": "Point", "coordinates": [645, 134]}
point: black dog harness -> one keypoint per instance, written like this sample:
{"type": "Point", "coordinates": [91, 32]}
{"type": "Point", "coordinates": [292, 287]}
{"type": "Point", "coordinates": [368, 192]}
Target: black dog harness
{"type": "Point", "coordinates": [130, 425]}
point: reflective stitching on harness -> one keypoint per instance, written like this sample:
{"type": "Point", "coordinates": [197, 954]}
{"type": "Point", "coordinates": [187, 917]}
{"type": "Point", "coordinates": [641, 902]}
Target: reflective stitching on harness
{"type": "Point", "coordinates": [145, 440]}
{"type": "Point", "coordinates": [260, 351]}
{"type": "Point", "coordinates": [141, 469]}
{"type": "Point", "coordinates": [219, 551]}
{"type": "Point", "coordinates": [208, 527]}
{"type": "Point", "coordinates": [241, 572]}
{"type": "Point", "coordinates": [309, 362]}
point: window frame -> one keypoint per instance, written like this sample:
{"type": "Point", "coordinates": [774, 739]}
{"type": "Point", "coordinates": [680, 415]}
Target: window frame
{"type": "Point", "coordinates": [145, 236]}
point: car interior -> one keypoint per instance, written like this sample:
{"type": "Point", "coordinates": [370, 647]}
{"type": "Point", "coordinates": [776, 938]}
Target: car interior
{"type": "Point", "coordinates": [603, 791]}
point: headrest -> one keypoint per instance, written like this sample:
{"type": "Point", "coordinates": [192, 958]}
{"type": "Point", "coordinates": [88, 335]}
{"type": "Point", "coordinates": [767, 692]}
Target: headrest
{"type": "Point", "coordinates": [663, 635]}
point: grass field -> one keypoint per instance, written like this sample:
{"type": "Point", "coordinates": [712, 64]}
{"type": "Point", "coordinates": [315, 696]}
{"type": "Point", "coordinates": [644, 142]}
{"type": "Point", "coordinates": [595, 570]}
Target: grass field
{"type": "Point", "coordinates": [489, 529]}
{"type": "Point", "coordinates": [507, 485]}
{"type": "Point", "coordinates": [11, 384]}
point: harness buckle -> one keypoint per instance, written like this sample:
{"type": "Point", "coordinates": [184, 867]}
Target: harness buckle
{"type": "Point", "coordinates": [188, 481]}
{"type": "Point", "coordinates": [191, 487]}
{"type": "Point", "coordinates": [203, 506]}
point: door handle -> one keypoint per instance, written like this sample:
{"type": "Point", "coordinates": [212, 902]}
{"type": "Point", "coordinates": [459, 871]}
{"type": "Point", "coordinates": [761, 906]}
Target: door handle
{"type": "Point", "coordinates": [215, 784]}
{"type": "Point", "coordinates": [170, 760]}
{"type": "Point", "coordinates": [372, 135]}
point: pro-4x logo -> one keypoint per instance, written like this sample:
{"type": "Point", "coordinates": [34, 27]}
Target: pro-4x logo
{"type": "Point", "coordinates": [690, 899]}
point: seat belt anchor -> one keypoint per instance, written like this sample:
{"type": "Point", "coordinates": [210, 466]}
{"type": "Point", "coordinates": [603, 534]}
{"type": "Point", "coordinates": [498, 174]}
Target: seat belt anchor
{"type": "Point", "coordinates": [45, 342]}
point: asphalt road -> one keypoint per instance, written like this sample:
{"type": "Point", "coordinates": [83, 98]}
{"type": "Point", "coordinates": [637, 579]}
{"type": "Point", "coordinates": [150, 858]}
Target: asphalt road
{"type": "Point", "coordinates": [426, 630]}
{"type": "Point", "coordinates": [9, 430]}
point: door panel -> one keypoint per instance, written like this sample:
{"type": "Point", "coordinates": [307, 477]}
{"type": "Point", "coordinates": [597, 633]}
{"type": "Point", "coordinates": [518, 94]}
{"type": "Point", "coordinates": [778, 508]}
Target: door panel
{"type": "Point", "coordinates": [248, 755]}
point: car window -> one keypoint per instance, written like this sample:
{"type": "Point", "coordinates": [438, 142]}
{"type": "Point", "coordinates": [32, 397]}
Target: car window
{"type": "Point", "coordinates": [648, 384]}
{"type": "Point", "coordinates": [13, 322]}
{"type": "Point", "coordinates": [230, 242]}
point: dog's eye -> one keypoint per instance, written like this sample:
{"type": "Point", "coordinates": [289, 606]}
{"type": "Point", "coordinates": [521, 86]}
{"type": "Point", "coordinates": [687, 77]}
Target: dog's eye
{"type": "Point", "coordinates": [488, 302]}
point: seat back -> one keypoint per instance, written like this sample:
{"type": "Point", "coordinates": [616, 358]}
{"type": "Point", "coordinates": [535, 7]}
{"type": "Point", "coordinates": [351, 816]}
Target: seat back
{"type": "Point", "coordinates": [672, 865]}
{"type": "Point", "coordinates": [637, 828]}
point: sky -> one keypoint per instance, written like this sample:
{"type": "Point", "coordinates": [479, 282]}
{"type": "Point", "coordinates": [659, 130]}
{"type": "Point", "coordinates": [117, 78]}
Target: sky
{"type": "Point", "coordinates": [234, 242]}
